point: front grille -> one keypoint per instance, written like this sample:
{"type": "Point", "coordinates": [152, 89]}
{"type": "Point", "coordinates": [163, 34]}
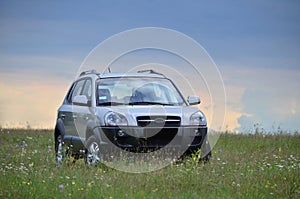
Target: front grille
{"type": "Point", "coordinates": [158, 121]}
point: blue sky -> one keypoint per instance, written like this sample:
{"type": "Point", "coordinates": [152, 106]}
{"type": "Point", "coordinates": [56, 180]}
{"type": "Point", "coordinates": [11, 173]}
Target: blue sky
{"type": "Point", "coordinates": [255, 44]}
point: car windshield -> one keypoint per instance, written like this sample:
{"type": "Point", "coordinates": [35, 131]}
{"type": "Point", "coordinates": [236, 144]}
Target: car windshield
{"type": "Point", "coordinates": [137, 91]}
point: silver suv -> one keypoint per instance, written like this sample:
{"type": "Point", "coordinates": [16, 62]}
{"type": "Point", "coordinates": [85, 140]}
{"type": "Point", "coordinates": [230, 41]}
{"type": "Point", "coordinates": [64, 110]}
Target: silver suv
{"type": "Point", "coordinates": [137, 112]}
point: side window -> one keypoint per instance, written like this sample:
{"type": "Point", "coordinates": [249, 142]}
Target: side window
{"type": "Point", "coordinates": [77, 90]}
{"type": "Point", "coordinates": [69, 95]}
{"type": "Point", "coordinates": [87, 90]}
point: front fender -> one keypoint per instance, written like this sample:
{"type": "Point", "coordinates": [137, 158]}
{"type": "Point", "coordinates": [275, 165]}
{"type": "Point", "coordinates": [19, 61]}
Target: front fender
{"type": "Point", "coordinates": [93, 130]}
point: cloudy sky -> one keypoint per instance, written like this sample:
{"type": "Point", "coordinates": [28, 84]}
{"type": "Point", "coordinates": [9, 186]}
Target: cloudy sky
{"type": "Point", "coordinates": [255, 44]}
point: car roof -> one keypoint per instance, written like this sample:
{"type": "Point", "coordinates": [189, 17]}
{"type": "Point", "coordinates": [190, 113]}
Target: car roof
{"type": "Point", "coordinates": [143, 73]}
{"type": "Point", "coordinates": [114, 75]}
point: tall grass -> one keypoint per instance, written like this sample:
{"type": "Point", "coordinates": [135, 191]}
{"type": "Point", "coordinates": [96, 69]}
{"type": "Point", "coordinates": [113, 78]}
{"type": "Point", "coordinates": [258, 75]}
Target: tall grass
{"type": "Point", "coordinates": [243, 166]}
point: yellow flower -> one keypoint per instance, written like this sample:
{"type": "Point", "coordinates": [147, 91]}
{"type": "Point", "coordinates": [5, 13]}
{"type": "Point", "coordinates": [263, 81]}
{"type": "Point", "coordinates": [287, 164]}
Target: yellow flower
{"type": "Point", "coordinates": [73, 183]}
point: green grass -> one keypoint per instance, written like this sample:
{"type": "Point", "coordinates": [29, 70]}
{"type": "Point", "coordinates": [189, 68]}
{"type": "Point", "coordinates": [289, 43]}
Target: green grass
{"type": "Point", "coordinates": [243, 166]}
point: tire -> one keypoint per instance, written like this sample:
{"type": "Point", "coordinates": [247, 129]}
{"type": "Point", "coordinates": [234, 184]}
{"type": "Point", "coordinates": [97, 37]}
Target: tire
{"type": "Point", "coordinates": [60, 151]}
{"type": "Point", "coordinates": [93, 154]}
{"type": "Point", "coordinates": [205, 154]}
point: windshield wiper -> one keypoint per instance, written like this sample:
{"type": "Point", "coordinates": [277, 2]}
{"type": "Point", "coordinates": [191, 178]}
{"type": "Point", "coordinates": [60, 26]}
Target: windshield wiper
{"type": "Point", "coordinates": [150, 103]}
{"type": "Point", "coordinates": [110, 104]}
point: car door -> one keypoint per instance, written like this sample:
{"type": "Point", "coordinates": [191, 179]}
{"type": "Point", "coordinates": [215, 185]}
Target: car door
{"type": "Point", "coordinates": [67, 112]}
{"type": "Point", "coordinates": [83, 113]}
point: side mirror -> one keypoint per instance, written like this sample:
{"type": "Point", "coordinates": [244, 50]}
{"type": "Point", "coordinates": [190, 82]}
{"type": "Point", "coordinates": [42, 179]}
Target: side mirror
{"type": "Point", "coordinates": [81, 100]}
{"type": "Point", "coordinates": [193, 100]}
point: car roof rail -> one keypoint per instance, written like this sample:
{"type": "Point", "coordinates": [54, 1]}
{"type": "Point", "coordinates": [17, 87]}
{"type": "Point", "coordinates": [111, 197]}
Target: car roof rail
{"type": "Point", "coordinates": [93, 71]}
{"type": "Point", "coordinates": [151, 71]}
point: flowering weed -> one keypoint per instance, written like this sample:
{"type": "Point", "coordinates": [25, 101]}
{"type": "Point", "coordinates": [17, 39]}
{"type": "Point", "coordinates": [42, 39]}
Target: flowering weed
{"type": "Point", "coordinates": [243, 166]}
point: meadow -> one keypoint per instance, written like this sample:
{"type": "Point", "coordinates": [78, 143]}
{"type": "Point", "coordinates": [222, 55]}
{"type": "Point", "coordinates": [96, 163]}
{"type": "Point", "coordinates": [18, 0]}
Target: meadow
{"type": "Point", "coordinates": [243, 166]}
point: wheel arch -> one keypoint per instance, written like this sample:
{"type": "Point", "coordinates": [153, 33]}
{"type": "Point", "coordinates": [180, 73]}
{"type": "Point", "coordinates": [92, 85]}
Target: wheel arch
{"type": "Point", "coordinates": [92, 129]}
{"type": "Point", "coordinates": [59, 129]}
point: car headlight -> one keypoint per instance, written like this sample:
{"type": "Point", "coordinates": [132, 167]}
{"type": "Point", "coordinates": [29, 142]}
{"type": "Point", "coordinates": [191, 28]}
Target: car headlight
{"type": "Point", "coordinates": [198, 118]}
{"type": "Point", "coordinates": [115, 119]}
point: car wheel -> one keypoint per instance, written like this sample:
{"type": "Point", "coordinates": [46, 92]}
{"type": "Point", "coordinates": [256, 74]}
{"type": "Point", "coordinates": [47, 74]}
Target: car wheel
{"type": "Point", "coordinates": [93, 153]}
{"type": "Point", "coordinates": [60, 150]}
{"type": "Point", "coordinates": [205, 154]}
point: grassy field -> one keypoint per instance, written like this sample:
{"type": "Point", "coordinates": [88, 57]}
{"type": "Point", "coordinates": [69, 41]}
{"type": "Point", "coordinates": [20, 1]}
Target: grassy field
{"type": "Point", "coordinates": [243, 166]}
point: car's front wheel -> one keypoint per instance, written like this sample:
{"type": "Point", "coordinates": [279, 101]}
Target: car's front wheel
{"type": "Point", "coordinates": [205, 154]}
{"type": "Point", "coordinates": [93, 153]}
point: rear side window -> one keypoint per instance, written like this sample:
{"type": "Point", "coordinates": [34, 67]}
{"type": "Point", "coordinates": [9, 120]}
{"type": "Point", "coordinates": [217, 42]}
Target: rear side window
{"type": "Point", "coordinates": [68, 98]}
{"type": "Point", "coordinates": [76, 90]}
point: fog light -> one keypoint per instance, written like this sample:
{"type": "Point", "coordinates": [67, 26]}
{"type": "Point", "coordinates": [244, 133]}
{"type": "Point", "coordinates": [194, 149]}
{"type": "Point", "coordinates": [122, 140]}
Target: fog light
{"type": "Point", "coordinates": [121, 133]}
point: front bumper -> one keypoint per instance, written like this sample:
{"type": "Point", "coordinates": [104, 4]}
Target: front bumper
{"type": "Point", "coordinates": [152, 138]}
